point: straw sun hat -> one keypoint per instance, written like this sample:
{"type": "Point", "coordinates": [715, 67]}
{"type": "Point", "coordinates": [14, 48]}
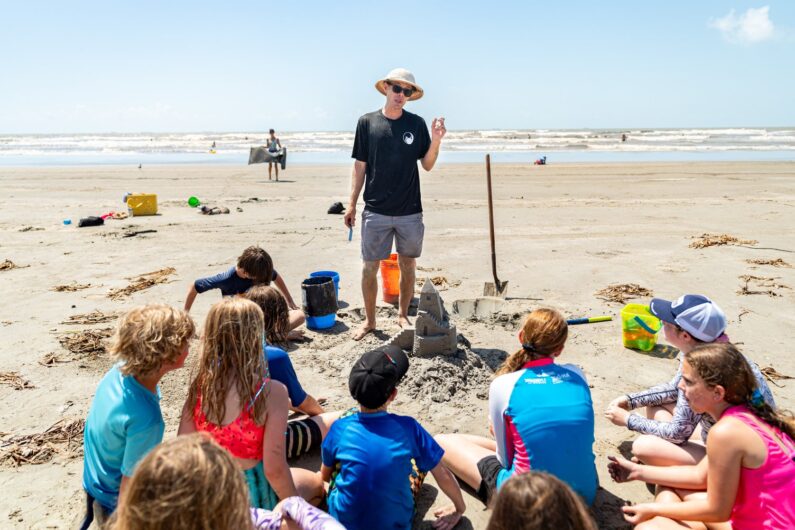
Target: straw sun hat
{"type": "Point", "coordinates": [404, 76]}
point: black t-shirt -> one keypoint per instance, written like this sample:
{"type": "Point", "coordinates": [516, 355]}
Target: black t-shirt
{"type": "Point", "coordinates": [391, 149]}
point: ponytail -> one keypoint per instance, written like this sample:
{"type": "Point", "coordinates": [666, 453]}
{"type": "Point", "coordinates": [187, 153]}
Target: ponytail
{"type": "Point", "coordinates": [544, 332]}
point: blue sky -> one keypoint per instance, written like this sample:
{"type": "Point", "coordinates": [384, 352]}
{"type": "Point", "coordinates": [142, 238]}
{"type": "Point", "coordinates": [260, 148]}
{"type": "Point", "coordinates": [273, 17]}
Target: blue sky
{"type": "Point", "coordinates": [99, 66]}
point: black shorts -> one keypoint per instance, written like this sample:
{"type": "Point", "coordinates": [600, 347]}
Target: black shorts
{"type": "Point", "coordinates": [488, 468]}
{"type": "Point", "coordinates": [302, 436]}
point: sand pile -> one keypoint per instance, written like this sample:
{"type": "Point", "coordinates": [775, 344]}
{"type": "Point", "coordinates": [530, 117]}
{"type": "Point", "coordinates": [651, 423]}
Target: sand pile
{"type": "Point", "coordinates": [441, 378]}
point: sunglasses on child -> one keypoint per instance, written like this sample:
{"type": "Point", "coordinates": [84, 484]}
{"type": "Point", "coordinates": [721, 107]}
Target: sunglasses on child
{"type": "Point", "coordinates": [408, 92]}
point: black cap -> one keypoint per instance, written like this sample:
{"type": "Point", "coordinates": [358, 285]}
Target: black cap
{"type": "Point", "coordinates": [376, 374]}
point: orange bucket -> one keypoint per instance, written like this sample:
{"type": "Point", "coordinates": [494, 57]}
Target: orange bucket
{"type": "Point", "coordinates": [390, 279]}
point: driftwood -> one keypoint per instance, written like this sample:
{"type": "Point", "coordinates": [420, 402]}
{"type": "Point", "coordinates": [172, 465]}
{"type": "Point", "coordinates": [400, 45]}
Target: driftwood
{"type": "Point", "coordinates": [620, 293]}
{"type": "Point", "coordinates": [95, 317]}
{"type": "Point", "coordinates": [15, 380]}
{"type": "Point", "coordinates": [144, 281]}
{"type": "Point", "coordinates": [89, 342]}
{"type": "Point", "coordinates": [63, 437]}
{"type": "Point", "coordinates": [71, 287]}
{"type": "Point", "coordinates": [717, 240]}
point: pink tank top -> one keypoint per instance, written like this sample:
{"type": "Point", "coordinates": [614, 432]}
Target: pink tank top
{"type": "Point", "coordinates": [766, 495]}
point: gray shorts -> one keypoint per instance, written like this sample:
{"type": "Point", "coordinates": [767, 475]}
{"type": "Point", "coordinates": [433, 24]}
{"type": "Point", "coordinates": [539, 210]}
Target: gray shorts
{"type": "Point", "coordinates": [378, 231]}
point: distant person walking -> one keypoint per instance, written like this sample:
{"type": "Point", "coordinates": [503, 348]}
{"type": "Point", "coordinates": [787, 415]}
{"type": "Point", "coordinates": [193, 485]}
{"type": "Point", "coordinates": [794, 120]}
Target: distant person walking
{"type": "Point", "coordinates": [388, 143]}
{"type": "Point", "coordinates": [274, 146]}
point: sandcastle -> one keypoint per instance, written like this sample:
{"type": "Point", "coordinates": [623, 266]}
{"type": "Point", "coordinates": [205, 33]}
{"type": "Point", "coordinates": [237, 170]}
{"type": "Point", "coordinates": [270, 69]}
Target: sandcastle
{"type": "Point", "coordinates": [432, 333]}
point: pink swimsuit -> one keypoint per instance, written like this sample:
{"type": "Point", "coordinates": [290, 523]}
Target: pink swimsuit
{"type": "Point", "coordinates": [766, 495]}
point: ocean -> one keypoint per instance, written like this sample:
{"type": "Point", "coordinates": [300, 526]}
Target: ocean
{"type": "Point", "coordinates": [319, 147]}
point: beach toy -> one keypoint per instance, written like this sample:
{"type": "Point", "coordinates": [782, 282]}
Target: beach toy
{"type": "Point", "coordinates": [319, 302]}
{"type": "Point", "coordinates": [335, 277]}
{"type": "Point", "coordinates": [193, 202]}
{"type": "Point", "coordinates": [124, 199]}
{"type": "Point", "coordinates": [639, 327]}
{"type": "Point", "coordinates": [67, 221]}
{"type": "Point", "coordinates": [588, 320]}
{"type": "Point", "coordinates": [142, 204]}
{"type": "Point", "coordinates": [390, 279]}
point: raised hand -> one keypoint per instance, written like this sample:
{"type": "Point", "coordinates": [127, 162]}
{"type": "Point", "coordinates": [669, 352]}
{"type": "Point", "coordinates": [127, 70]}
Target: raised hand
{"type": "Point", "coordinates": [438, 130]}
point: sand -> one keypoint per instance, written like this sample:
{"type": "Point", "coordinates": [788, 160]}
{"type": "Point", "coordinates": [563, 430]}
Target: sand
{"type": "Point", "coordinates": [564, 232]}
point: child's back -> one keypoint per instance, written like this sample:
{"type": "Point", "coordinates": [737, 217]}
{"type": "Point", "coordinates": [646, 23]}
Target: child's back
{"type": "Point", "coordinates": [123, 425]}
{"type": "Point", "coordinates": [371, 454]}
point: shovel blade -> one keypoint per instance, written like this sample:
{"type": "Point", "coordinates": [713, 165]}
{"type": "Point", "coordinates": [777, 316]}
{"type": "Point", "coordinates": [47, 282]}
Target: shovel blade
{"type": "Point", "coordinates": [496, 289]}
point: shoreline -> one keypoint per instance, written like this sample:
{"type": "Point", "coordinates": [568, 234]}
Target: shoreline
{"type": "Point", "coordinates": [458, 164]}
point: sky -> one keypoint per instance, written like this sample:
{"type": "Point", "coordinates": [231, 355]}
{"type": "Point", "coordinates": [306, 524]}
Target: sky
{"type": "Point", "coordinates": [158, 66]}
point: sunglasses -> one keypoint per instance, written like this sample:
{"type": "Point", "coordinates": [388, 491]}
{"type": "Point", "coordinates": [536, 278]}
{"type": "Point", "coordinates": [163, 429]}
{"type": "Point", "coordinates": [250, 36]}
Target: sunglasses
{"type": "Point", "coordinates": [408, 92]}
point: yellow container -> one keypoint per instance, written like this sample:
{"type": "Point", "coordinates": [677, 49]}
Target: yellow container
{"type": "Point", "coordinates": [639, 327]}
{"type": "Point", "coordinates": [142, 204]}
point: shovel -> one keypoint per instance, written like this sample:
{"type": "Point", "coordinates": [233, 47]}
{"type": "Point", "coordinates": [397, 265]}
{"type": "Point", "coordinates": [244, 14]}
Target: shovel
{"type": "Point", "coordinates": [497, 288]}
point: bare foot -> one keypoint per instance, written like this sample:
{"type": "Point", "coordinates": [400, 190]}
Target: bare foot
{"type": "Point", "coordinates": [295, 334]}
{"type": "Point", "coordinates": [363, 331]}
{"type": "Point", "coordinates": [404, 322]}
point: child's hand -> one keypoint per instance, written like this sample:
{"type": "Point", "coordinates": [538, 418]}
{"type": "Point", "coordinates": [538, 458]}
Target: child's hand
{"type": "Point", "coordinates": [616, 414]}
{"type": "Point", "coordinates": [621, 469]}
{"type": "Point", "coordinates": [446, 518]}
{"type": "Point", "coordinates": [638, 513]}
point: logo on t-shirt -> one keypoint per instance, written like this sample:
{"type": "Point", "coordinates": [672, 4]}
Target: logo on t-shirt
{"type": "Point", "coordinates": [408, 138]}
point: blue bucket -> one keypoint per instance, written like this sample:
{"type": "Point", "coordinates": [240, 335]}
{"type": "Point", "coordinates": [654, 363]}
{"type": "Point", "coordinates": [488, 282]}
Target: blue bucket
{"type": "Point", "coordinates": [324, 322]}
{"type": "Point", "coordinates": [335, 276]}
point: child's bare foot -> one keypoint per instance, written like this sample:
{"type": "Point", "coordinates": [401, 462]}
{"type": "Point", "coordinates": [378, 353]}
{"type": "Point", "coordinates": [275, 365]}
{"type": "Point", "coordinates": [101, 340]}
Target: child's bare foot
{"type": "Point", "coordinates": [404, 322]}
{"type": "Point", "coordinates": [362, 332]}
{"type": "Point", "coordinates": [295, 334]}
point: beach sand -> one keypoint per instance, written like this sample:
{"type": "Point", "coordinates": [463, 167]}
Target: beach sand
{"type": "Point", "coordinates": [563, 233]}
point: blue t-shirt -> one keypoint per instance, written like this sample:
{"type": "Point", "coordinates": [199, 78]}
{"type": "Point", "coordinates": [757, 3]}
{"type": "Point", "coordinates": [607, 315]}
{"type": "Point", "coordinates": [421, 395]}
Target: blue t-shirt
{"type": "Point", "coordinates": [281, 369]}
{"type": "Point", "coordinates": [373, 453]}
{"type": "Point", "coordinates": [123, 425]}
{"type": "Point", "coordinates": [228, 281]}
{"type": "Point", "coordinates": [543, 420]}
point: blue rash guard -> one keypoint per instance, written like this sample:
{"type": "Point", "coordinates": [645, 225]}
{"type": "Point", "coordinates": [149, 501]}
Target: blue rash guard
{"type": "Point", "coordinates": [543, 420]}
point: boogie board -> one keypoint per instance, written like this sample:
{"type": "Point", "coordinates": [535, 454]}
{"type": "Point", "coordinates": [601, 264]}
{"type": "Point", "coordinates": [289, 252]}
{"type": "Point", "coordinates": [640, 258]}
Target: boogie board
{"type": "Point", "coordinates": [259, 155]}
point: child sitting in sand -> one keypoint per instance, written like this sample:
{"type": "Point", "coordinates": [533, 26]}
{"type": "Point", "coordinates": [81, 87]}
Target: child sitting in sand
{"type": "Point", "coordinates": [750, 466]}
{"type": "Point", "coordinates": [233, 398]}
{"type": "Point", "coordinates": [540, 414]}
{"type": "Point", "coordinates": [191, 482]}
{"type": "Point", "coordinates": [375, 461]}
{"type": "Point", "coordinates": [254, 266]}
{"type": "Point", "coordinates": [670, 421]}
{"type": "Point", "coordinates": [125, 422]}
{"type": "Point", "coordinates": [538, 501]}
{"type": "Point", "coordinates": [302, 435]}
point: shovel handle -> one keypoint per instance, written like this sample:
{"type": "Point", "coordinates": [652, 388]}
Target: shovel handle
{"type": "Point", "coordinates": [497, 282]}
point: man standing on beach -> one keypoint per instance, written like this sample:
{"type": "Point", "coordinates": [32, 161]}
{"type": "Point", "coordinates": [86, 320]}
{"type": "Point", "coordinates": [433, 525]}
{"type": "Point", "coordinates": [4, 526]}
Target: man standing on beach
{"type": "Point", "coordinates": [388, 143]}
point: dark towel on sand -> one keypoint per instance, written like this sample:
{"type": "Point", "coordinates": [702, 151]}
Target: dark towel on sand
{"type": "Point", "coordinates": [258, 155]}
